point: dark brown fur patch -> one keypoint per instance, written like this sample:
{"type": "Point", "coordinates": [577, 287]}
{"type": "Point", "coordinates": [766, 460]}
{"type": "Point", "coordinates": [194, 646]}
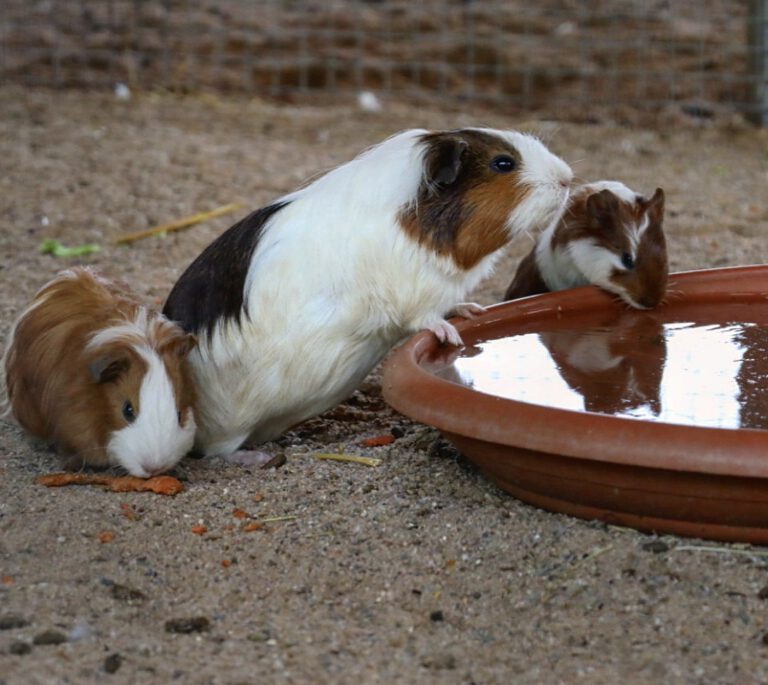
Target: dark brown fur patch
{"type": "Point", "coordinates": [212, 287]}
{"type": "Point", "coordinates": [527, 280]}
{"type": "Point", "coordinates": [463, 205]}
{"type": "Point", "coordinates": [51, 389]}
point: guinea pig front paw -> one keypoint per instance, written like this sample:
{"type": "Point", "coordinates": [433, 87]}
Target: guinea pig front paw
{"type": "Point", "coordinates": [469, 310]}
{"type": "Point", "coordinates": [446, 333]}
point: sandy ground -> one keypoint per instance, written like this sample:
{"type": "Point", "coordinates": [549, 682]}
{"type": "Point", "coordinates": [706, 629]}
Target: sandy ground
{"type": "Point", "coordinates": [415, 571]}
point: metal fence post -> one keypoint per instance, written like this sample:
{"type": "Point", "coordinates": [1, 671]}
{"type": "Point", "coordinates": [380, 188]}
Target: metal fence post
{"type": "Point", "coordinates": [757, 28]}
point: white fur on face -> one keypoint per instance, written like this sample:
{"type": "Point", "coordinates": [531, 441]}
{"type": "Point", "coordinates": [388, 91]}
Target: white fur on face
{"type": "Point", "coordinates": [155, 441]}
{"type": "Point", "coordinates": [591, 263]}
{"type": "Point", "coordinates": [548, 178]}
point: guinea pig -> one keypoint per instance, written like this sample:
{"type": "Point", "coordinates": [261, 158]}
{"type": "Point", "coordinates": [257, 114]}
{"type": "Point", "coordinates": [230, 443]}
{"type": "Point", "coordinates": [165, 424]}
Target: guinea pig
{"type": "Point", "coordinates": [296, 303]}
{"type": "Point", "coordinates": [100, 376]}
{"type": "Point", "coordinates": [609, 236]}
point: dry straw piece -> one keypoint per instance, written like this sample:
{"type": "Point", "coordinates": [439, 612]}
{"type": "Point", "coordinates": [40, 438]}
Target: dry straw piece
{"type": "Point", "coordinates": [186, 222]}
{"type": "Point", "coordinates": [366, 461]}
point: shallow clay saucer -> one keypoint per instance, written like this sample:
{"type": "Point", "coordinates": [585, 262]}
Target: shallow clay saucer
{"type": "Point", "coordinates": [596, 463]}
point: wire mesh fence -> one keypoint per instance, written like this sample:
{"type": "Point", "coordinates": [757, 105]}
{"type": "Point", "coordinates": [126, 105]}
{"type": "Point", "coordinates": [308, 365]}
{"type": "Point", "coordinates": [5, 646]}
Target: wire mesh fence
{"type": "Point", "coordinates": [564, 57]}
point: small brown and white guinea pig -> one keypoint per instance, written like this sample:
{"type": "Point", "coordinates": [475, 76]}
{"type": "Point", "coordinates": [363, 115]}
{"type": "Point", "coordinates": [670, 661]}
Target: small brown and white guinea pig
{"type": "Point", "coordinates": [296, 303]}
{"type": "Point", "coordinates": [100, 376]}
{"type": "Point", "coordinates": [609, 236]}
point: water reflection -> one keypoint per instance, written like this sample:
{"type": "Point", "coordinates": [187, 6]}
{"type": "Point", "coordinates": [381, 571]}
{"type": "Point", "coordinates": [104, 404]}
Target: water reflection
{"type": "Point", "coordinates": [630, 364]}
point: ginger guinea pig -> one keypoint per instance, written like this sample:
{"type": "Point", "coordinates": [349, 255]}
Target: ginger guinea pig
{"type": "Point", "coordinates": [609, 236]}
{"type": "Point", "coordinates": [100, 376]}
{"type": "Point", "coordinates": [296, 303]}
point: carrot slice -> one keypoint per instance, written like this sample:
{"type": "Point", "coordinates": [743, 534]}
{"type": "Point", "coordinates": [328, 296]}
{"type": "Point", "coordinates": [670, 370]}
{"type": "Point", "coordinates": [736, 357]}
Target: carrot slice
{"type": "Point", "coordinates": [161, 485]}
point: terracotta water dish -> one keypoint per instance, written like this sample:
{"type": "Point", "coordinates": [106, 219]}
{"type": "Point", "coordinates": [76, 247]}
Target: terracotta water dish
{"type": "Point", "coordinates": [654, 419]}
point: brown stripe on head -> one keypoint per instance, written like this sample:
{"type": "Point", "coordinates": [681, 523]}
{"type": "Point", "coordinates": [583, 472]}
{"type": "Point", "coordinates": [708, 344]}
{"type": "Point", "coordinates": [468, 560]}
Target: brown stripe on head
{"type": "Point", "coordinates": [464, 202]}
{"type": "Point", "coordinates": [598, 215]}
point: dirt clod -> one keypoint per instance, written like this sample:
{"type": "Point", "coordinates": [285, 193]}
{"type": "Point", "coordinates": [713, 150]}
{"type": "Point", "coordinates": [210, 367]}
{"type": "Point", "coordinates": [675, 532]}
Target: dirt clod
{"type": "Point", "coordinates": [196, 624]}
{"type": "Point", "coordinates": [113, 662]}
{"type": "Point", "coordinates": [12, 621]}
{"type": "Point", "coordinates": [49, 637]}
{"type": "Point", "coordinates": [19, 648]}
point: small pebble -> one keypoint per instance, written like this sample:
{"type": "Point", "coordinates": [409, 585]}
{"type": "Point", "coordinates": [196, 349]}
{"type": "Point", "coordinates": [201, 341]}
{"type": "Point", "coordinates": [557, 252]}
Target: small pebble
{"type": "Point", "coordinates": [437, 616]}
{"type": "Point", "coordinates": [11, 621]}
{"type": "Point", "coordinates": [113, 662]}
{"type": "Point", "coordinates": [196, 624]}
{"type": "Point", "coordinates": [49, 637]}
{"type": "Point", "coordinates": [20, 648]}
{"type": "Point", "coordinates": [441, 662]}
{"type": "Point", "coordinates": [656, 546]}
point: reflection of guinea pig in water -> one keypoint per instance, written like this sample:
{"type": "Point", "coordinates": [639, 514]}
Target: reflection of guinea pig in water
{"type": "Point", "coordinates": [91, 370]}
{"type": "Point", "coordinates": [297, 302]}
{"type": "Point", "coordinates": [609, 236]}
{"type": "Point", "coordinates": [616, 367]}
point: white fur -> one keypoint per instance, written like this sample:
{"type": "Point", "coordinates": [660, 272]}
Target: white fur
{"type": "Point", "coordinates": [618, 189]}
{"type": "Point", "coordinates": [155, 441]}
{"type": "Point", "coordinates": [333, 284]}
{"type": "Point", "coordinates": [138, 327]}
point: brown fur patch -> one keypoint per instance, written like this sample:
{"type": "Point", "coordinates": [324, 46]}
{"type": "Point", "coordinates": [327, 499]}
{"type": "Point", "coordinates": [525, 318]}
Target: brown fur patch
{"type": "Point", "coordinates": [51, 387]}
{"type": "Point", "coordinates": [463, 205]}
{"type": "Point", "coordinates": [485, 229]}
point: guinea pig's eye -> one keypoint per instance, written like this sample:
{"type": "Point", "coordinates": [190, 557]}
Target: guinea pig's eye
{"type": "Point", "coordinates": [503, 164]}
{"type": "Point", "coordinates": [627, 261]}
{"type": "Point", "coordinates": [178, 416]}
{"type": "Point", "coordinates": [128, 413]}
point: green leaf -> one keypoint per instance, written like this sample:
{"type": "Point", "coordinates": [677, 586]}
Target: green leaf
{"type": "Point", "coordinates": [54, 247]}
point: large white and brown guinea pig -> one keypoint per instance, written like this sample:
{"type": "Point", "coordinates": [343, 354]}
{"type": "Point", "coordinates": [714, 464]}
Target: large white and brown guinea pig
{"type": "Point", "coordinates": [608, 236]}
{"type": "Point", "coordinates": [296, 303]}
{"type": "Point", "coordinates": [103, 378]}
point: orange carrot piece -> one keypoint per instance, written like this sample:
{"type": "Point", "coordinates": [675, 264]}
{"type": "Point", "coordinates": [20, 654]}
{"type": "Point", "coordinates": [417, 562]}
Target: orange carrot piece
{"type": "Point", "coordinates": [379, 440]}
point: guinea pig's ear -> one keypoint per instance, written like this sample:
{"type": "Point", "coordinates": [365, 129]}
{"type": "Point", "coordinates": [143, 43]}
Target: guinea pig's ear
{"type": "Point", "coordinates": [602, 206]}
{"type": "Point", "coordinates": [108, 369]}
{"type": "Point", "coordinates": [185, 344]}
{"type": "Point", "coordinates": [180, 345]}
{"type": "Point", "coordinates": [655, 207]}
{"type": "Point", "coordinates": [442, 161]}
